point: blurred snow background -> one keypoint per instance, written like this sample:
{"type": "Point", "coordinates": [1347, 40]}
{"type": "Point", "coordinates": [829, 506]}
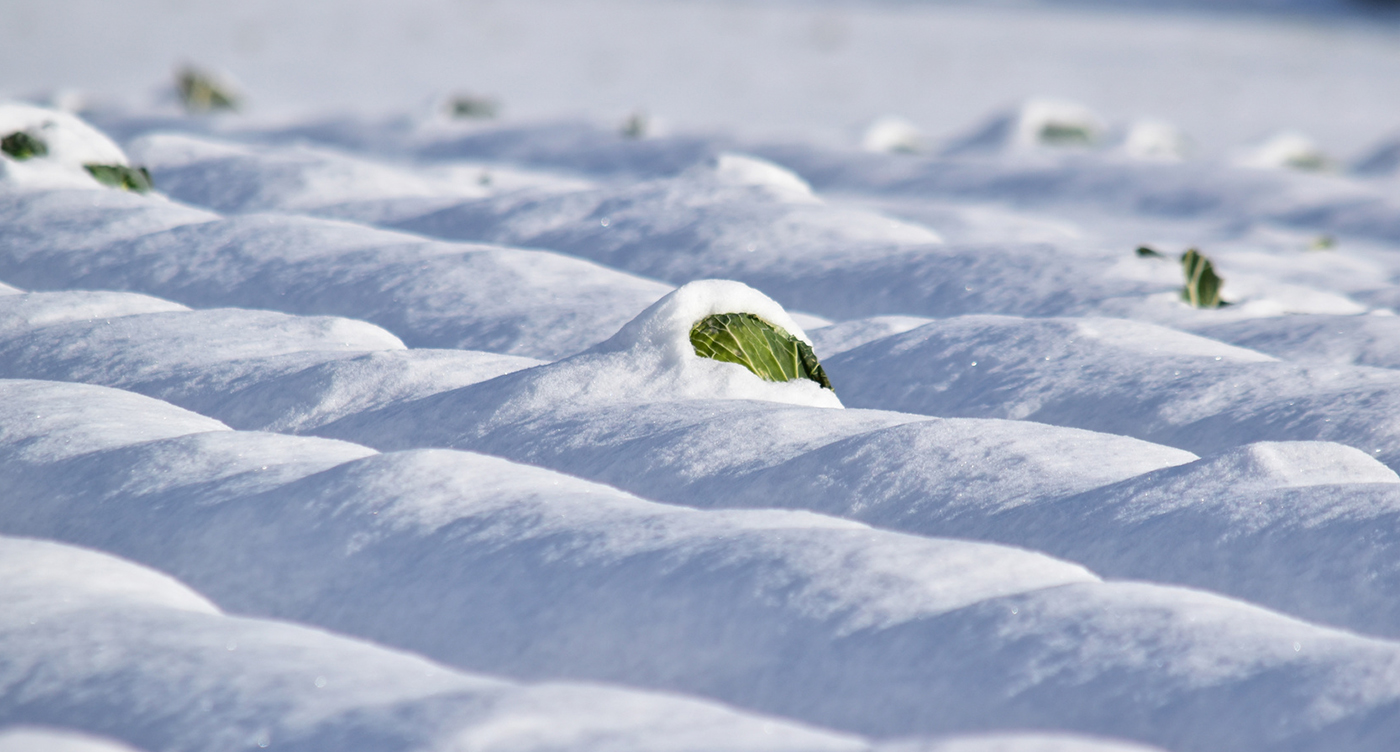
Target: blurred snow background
{"type": "Point", "coordinates": [1226, 73]}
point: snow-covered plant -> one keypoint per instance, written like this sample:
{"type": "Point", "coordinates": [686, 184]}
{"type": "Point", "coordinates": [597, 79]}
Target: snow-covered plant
{"type": "Point", "coordinates": [468, 106]}
{"type": "Point", "coordinates": [1290, 150]}
{"type": "Point", "coordinates": [23, 145]}
{"type": "Point", "coordinates": [893, 135]}
{"type": "Point", "coordinates": [1202, 288]}
{"type": "Point", "coordinates": [201, 91]}
{"type": "Point", "coordinates": [637, 125]}
{"type": "Point", "coordinates": [136, 179]}
{"type": "Point", "coordinates": [1058, 124]}
{"type": "Point", "coordinates": [767, 350]}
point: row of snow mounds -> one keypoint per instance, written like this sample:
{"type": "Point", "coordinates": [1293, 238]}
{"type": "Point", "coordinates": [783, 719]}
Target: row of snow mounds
{"type": "Point", "coordinates": [431, 294]}
{"type": "Point", "coordinates": [731, 216]}
{"type": "Point", "coordinates": [743, 218]}
{"type": "Point", "coordinates": [1275, 506]}
{"type": "Point", "coordinates": [487, 565]}
{"type": "Point", "coordinates": [251, 369]}
{"type": "Point", "coordinates": [626, 414]}
{"type": "Point", "coordinates": [1320, 201]}
{"type": "Point", "coordinates": [1125, 377]}
{"type": "Point", "coordinates": [94, 645]}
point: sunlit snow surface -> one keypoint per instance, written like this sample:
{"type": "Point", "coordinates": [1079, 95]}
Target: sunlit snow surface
{"type": "Point", "coordinates": [384, 431]}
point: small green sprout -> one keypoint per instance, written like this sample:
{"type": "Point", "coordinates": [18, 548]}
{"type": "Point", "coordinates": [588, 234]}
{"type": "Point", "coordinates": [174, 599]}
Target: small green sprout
{"type": "Point", "coordinates": [1202, 288]}
{"type": "Point", "coordinates": [1144, 251]}
{"type": "Point", "coordinates": [136, 179]}
{"type": "Point", "coordinates": [202, 92]}
{"type": "Point", "coordinates": [1323, 243]}
{"type": "Point", "coordinates": [22, 145]}
{"type": "Point", "coordinates": [767, 350]}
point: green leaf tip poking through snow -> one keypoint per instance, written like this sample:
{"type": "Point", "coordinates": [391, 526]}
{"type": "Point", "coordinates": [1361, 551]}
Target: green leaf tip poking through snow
{"type": "Point", "coordinates": [771, 353]}
{"type": "Point", "coordinates": [1202, 288]}
{"type": "Point", "coordinates": [202, 92]}
{"type": "Point", "coordinates": [120, 176]}
{"type": "Point", "coordinates": [21, 145]}
{"type": "Point", "coordinates": [1145, 251]}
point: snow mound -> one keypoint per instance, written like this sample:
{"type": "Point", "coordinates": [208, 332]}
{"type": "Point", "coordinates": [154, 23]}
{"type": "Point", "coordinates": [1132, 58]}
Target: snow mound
{"type": "Point", "coordinates": [1287, 150]}
{"type": "Point", "coordinates": [241, 178]}
{"type": "Point", "coordinates": [1337, 340]}
{"type": "Point", "coordinates": [22, 312]}
{"type": "Point", "coordinates": [1023, 742]}
{"type": "Point", "coordinates": [893, 134]}
{"type": "Point", "coordinates": [1123, 377]}
{"type": "Point", "coordinates": [1037, 124]}
{"type": "Point", "coordinates": [782, 183]}
{"type": "Point", "coordinates": [71, 144]}
{"type": "Point", "coordinates": [652, 359]}
{"type": "Point", "coordinates": [1155, 140]}
{"type": "Point", "coordinates": [116, 663]}
{"type": "Point", "coordinates": [37, 569]}
{"type": "Point", "coordinates": [40, 739]}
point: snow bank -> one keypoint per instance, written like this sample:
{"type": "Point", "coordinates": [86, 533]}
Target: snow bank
{"type": "Point", "coordinates": [84, 650]}
{"type": "Point", "coordinates": [240, 178]}
{"type": "Point", "coordinates": [519, 302]}
{"type": "Point", "coordinates": [1122, 377]}
{"type": "Point", "coordinates": [516, 570]}
{"type": "Point", "coordinates": [252, 369]}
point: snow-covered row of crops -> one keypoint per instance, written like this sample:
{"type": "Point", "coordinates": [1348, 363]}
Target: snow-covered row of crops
{"type": "Point", "coordinates": [378, 436]}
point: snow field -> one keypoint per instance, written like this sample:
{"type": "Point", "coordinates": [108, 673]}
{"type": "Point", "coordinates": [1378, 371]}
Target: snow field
{"type": "Point", "coordinates": [1031, 435]}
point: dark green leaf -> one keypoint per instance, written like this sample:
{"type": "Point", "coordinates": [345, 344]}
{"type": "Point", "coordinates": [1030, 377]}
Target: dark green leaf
{"type": "Point", "coordinates": [771, 353]}
{"type": "Point", "coordinates": [1147, 252]}
{"type": "Point", "coordinates": [120, 176]}
{"type": "Point", "coordinates": [21, 145]}
{"type": "Point", "coordinates": [1202, 288]}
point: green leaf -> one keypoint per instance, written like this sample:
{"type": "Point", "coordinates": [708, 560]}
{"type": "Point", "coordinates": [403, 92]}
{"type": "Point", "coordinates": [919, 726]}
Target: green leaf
{"type": "Point", "coordinates": [771, 353]}
{"type": "Point", "coordinates": [1065, 134]}
{"type": "Point", "coordinates": [201, 92]}
{"type": "Point", "coordinates": [120, 176]}
{"type": "Point", "coordinates": [1148, 252]}
{"type": "Point", "coordinates": [1202, 288]}
{"type": "Point", "coordinates": [21, 145]}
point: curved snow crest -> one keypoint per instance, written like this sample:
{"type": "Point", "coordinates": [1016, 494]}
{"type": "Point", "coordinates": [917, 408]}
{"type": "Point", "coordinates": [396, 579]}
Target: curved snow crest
{"type": "Point", "coordinates": [71, 144]}
{"type": "Point", "coordinates": [102, 658]}
{"type": "Point", "coordinates": [651, 358]}
{"type": "Point", "coordinates": [44, 739]}
{"type": "Point", "coordinates": [36, 569]}
{"type": "Point", "coordinates": [780, 182]}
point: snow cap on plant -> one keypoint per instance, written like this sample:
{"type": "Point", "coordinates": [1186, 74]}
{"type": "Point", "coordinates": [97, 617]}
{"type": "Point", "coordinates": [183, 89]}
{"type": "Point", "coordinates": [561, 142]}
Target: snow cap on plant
{"type": "Point", "coordinates": [893, 135]}
{"type": "Point", "coordinates": [1056, 123]}
{"type": "Point", "coordinates": [656, 353]}
{"type": "Point", "coordinates": [68, 146]}
{"type": "Point", "coordinates": [1287, 150]}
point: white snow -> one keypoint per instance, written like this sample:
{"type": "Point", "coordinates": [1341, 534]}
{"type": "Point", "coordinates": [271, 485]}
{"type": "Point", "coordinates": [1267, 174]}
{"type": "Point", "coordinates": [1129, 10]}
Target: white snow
{"type": "Point", "coordinates": [373, 428]}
